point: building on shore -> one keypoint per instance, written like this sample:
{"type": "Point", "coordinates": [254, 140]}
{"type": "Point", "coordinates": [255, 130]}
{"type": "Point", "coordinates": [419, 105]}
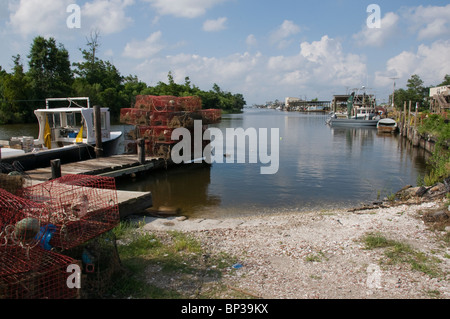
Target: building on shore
{"type": "Point", "coordinates": [440, 98]}
{"type": "Point", "coordinates": [297, 104]}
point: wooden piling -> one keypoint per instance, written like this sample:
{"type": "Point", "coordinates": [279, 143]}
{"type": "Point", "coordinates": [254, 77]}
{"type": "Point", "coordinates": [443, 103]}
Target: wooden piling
{"type": "Point", "coordinates": [404, 120]}
{"type": "Point", "coordinates": [56, 168]}
{"type": "Point", "coordinates": [98, 131]}
{"type": "Point", "coordinates": [141, 150]}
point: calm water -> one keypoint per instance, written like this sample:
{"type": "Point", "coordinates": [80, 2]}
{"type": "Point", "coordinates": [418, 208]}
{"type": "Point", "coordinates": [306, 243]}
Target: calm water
{"type": "Point", "coordinates": [320, 167]}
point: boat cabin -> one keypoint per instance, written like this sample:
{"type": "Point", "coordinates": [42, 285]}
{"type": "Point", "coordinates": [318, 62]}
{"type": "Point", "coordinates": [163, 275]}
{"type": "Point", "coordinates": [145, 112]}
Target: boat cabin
{"type": "Point", "coordinates": [64, 125]}
{"type": "Point", "coordinates": [365, 113]}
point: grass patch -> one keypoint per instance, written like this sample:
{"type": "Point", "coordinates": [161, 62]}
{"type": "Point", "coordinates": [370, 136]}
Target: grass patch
{"type": "Point", "coordinates": [183, 242]}
{"type": "Point", "coordinates": [398, 252]}
{"type": "Point", "coordinates": [168, 265]}
{"type": "Point", "coordinates": [315, 257]}
{"type": "Point", "coordinates": [439, 127]}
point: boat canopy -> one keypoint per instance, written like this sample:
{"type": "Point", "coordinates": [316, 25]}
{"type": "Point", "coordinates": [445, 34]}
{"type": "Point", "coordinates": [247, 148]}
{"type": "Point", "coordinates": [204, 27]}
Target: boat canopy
{"type": "Point", "coordinates": [66, 123]}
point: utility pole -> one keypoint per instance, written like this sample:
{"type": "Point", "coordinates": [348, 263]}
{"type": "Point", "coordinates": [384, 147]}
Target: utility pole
{"type": "Point", "coordinates": [393, 92]}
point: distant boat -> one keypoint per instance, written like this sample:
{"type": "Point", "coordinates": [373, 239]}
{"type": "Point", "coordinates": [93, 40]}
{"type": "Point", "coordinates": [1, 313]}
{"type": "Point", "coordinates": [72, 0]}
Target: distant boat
{"type": "Point", "coordinates": [353, 122]}
{"type": "Point", "coordinates": [387, 125]}
{"type": "Point", "coordinates": [315, 108]}
{"type": "Point", "coordinates": [65, 133]}
{"type": "Point", "coordinates": [363, 116]}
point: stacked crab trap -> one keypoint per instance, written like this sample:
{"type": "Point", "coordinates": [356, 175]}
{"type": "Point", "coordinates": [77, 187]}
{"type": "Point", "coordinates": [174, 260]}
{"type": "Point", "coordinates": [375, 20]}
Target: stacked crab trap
{"type": "Point", "coordinates": [43, 221]}
{"type": "Point", "coordinates": [156, 117]}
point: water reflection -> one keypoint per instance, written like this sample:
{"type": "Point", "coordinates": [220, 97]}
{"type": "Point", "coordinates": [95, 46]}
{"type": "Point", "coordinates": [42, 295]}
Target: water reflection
{"type": "Point", "coordinates": [13, 130]}
{"type": "Point", "coordinates": [183, 188]}
{"type": "Point", "coordinates": [321, 167]}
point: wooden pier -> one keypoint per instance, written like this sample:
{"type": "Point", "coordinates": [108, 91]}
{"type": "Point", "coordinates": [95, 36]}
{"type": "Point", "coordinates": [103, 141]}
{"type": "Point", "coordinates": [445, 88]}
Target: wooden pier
{"type": "Point", "coordinates": [114, 166]}
{"type": "Point", "coordinates": [408, 122]}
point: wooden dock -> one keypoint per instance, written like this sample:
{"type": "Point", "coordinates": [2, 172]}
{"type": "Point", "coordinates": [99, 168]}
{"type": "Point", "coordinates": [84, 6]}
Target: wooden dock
{"type": "Point", "coordinates": [114, 166]}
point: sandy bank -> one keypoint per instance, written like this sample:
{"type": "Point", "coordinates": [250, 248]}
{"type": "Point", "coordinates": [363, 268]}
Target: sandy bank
{"type": "Point", "coordinates": [321, 254]}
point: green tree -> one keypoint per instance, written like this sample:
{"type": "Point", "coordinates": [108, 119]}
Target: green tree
{"type": "Point", "coordinates": [446, 80]}
{"type": "Point", "coordinates": [49, 69]}
{"type": "Point", "coordinates": [415, 92]}
{"type": "Point", "coordinates": [16, 93]}
{"type": "Point", "coordinates": [99, 80]}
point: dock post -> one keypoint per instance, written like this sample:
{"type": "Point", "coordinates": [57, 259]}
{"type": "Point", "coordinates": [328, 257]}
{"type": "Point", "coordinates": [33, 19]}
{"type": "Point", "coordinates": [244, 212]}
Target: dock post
{"type": "Point", "coordinates": [56, 168]}
{"type": "Point", "coordinates": [141, 150]}
{"type": "Point", "coordinates": [98, 131]}
{"type": "Point", "coordinates": [408, 134]}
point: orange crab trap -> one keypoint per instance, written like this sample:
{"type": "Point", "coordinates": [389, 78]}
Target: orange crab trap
{"type": "Point", "coordinates": [78, 208]}
{"type": "Point", "coordinates": [41, 274]}
{"type": "Point", "coordinates": [133, 116]}
{"type": "Point", "coordinates": [190, 103]}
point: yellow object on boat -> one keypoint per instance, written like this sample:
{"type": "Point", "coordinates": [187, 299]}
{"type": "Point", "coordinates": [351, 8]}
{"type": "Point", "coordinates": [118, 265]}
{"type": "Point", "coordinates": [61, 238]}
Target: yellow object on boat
{"type": "Point", "coordinates": [47, 135]}
{"type": "Point", "coordinates": [79, 138]}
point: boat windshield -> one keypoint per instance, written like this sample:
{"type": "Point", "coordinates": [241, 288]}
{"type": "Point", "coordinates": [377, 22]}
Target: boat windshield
{"type": "Point", "coordinates": [73, 119]}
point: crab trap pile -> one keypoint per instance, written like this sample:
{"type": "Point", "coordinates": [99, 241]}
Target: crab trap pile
{"type": "Point", "coordinates": [50, 226]}
{"type": "Point", "coordinates": [156, 117]}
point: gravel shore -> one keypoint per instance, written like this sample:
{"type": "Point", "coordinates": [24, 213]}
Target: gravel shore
{"type": "Point", "coordinates": [322, 254]}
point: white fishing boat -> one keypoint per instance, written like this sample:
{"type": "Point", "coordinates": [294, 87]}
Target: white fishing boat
{"type": "Point", "coordinates": [387, 125]}
{"type": "Point", "coordinates": [359, 114]}
{"type": "Point", "coordinates": [65, 133]}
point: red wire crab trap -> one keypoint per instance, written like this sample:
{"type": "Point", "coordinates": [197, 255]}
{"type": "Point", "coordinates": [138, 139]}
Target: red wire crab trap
{"type": "Point", "coordinates": [133, 116]}
{"type": "Point", "coordinates": [165, 114]}
{"type": "Point", "coordinates": [166, 103]}
{"type": "Point", "coordinates": [145, 132]}
{"type": "Point", "coordinates": [40, 275]}
{"type": "Point", "coordinates": [79, 208]}
{"type": "Point", "coordinates": [144, 102]}
{"type": "Point", "coordinates": [22, 222]}
{"type": "Point", "coordinates": [211, 116]}
{"type": "Point", "coordinates": [171, 119]}
{"type": "Point", "coordinates": [190, 103]}
{"type": "Point", "coordinates": [26, 269]}
{"type": "Point", "coordinates": [154, 103]}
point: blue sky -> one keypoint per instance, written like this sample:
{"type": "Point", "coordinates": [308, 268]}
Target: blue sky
{"type": "Point", "coordinates": [265, 50]}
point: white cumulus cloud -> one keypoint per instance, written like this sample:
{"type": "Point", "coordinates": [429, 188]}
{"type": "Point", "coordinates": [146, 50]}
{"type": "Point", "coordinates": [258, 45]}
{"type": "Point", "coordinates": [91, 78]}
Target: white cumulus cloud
{"type": "Point", "coordinates": [107, 16]}
{"type": "Point", "coordinates": [215, 25]}
{"type": "Point", "coordinates": [32, 17]}
{"type": "Point", "coordinates": [281, 35]}
{"type": "Point", "coordinates": [429, 22]}
{"type": "Point", "coordinates": [49, 17]}
{"type": "Point", "coordinates": [183, 8]}
{"type": "Point", "coordinates": [377, 37]}
{"type": "Point", "coordinates": [431, 63]}
{"type": "Point", "coordinates": [144, 49]}
{"type": "Point", "coordinates": [251, 40]}
{"type": "Point", "coordinates": [320, 66]}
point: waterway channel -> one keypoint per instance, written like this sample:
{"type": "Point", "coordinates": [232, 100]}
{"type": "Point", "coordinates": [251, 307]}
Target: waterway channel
{"type": "Point", "coordinates": [320, 167]}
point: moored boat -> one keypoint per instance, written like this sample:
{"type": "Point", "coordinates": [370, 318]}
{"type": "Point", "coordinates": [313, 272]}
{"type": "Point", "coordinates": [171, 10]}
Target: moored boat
{"type": "Point", "coordinates": [65, 133]}
{"type": "Point", "coordinates": [387, 125]}
{"type": "Point", "coordinates": [357, 115]}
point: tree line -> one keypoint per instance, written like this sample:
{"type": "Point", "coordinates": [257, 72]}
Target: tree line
{"type": "Point", "coordinates": [51, 74]}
